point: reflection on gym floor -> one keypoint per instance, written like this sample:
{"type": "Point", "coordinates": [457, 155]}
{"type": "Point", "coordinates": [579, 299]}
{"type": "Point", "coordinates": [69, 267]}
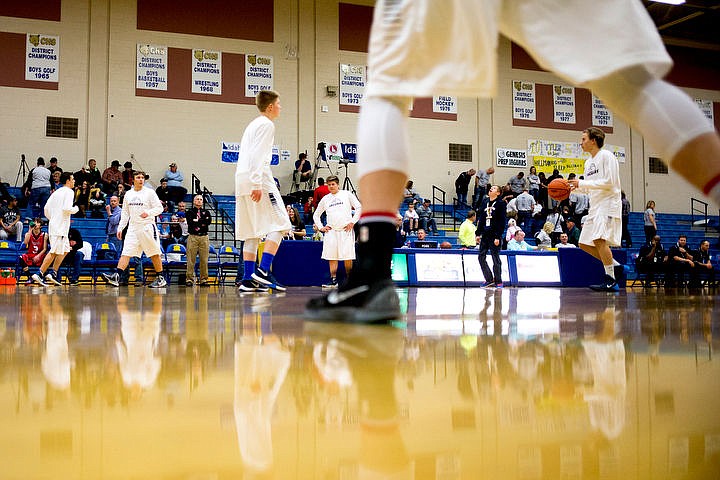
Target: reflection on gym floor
{"type": "Point", "coordinates": [518, 383]}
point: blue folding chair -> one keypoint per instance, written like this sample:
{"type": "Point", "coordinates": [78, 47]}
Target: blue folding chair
{"type": "Point", "coordinates": [230, 258]}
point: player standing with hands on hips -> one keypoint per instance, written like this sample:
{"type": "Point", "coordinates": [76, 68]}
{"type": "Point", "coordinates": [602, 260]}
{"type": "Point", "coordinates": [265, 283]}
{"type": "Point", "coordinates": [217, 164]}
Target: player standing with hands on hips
{"type": "Point", "coordinates": [259, 209]}
{"type": "Point", "coordinates": [603, 224]}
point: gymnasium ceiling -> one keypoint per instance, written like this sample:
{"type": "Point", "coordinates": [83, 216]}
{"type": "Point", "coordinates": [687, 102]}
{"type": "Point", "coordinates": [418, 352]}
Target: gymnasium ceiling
{"type": "Point", "coordinates": [694, 24]}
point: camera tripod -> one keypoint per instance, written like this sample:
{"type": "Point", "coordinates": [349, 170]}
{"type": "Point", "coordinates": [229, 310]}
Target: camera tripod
{"type": "Point", "coordinates": [23, 170]}
{"type": "Point", "coordinates": [319, 161]}
{"type": "Point", "coordinates": [347, 183]}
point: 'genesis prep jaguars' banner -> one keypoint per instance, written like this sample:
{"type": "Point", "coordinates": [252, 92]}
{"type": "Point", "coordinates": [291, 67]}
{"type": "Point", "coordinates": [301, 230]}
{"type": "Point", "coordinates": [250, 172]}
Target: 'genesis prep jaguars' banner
{"type": "Point", "coordinates": [508, 157]}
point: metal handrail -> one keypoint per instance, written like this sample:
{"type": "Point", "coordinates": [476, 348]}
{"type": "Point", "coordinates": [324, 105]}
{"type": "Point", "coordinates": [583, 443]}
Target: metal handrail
{"type": "Point", "coordinates": [223, 224]}
{"type": "Point", "coordinates": [438, 197]}
{"type": "Point", "coordinates": [703, 209]}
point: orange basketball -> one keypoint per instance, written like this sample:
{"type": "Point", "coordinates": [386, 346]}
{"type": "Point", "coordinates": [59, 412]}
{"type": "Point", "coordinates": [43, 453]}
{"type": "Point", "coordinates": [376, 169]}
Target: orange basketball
{"type": "Point", "coordinates": [559, 189]}
{"type": "Point", "coordinates": [445, 245]}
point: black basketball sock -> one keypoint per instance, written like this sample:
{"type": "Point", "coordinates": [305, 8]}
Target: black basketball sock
{"type": "Point", "coordinates": [374, 251]}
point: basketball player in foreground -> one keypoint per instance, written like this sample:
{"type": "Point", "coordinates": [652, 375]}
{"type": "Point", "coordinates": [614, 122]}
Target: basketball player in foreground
{"type": "Point", "coordinates": [421, 48]}
{"type": "Point", "coordinates": [259, 209]}
{"type": "Point", "coordinates": [140, 207]}
{"type": "Point", "coordinates": [603, 225]}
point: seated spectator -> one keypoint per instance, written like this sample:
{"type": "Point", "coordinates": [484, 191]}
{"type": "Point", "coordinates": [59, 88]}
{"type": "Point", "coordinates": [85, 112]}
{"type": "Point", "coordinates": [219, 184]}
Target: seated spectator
{"type": "Point", "coordinates": [75, 257]}
{"type": "Point", "coordinates": [298, 226]}
{"type": "Point", "coordinates": [511, 229]}
{"type": "Point", "coordinates": [308, 209]}
{"type": "Point", "coordinates": [10, 224]}
{"type": "Point", "coordinates": [303, 169]}
{"type": "Point", "coordinates": [176, 229]}
{"type": "Point", "coordinates": [120, 193]}
{"type": "Point", "coordinates": [518, 243]}
{"type": "Point", "coordinates": [181, 207]}
{"type": "Point", "coordinates": [542, 237]}
{"type": "Point", "coordinates": [82, 175]}
{"type": "Point", "coordinates": [97, 203]}
{"type": "Point", "coordinates": [466, 234]}
{"type": "Point", "coordinates": [37, 246]}
{"type": "Point", "coordinates": [163, 193]}
{"type": "Point", "coordinates": [557, 220]}
{"type": "Point", "coordinates": [680, 262]}
{"type": "Point", "coordinates": [400, 234]}
{"type": "Point", "coordinates": [111, 178]}
{"type": "Point", "coordinates": [164, 234]}
{"type": "Point", "coordinates": [54, 167]}
{"type": "Point", "coordinates": [411, 220]}
{"type": "Point", "coordinates": [422, 241]}
{"type": "Point", "coordinates": [703, 266]}
{"type": "Point", "coordinates": [564, 243]}
{"type": "Point", "coordinates": [82, 199]}
{"type": "Point", "coordinates": [127, 175]}
{"type": "Point", "coordinates": [55, 181]}
{"type": "Point", "coordinates": [95, 178]}
{"type": "Point", "coordinates": [573, 232]}
{"type": "Point", "coordinates": [427, 222]}
{"type": "Point", "coordinates": [651, 260]}
{"type": "Point", "coordinates": [410, 195]}
{"type": "Point", "coordinates": [175, 179]}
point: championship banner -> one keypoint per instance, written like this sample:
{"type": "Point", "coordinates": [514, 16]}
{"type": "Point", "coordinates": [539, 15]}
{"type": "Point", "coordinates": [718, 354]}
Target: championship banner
{"type": "Point", "coordinates": [564, 104]}
{"type": "Point", "coordinates": [706, 106]}
{"type": "Point", "coordinates": [601, 115]}
{"type": "Point", "coordinates": [206, 72]}
{"type": "Point", "coordinates": [258, 74]}
{"type": "Point", "coordinates": [524, 106]}
{"type": "Point", "coordinates": [229, 152]}
{"type": "Point", "coordinates": [508, 157]}
{"type": "Point", "coordinates": [151, 67]}
{"type": "Point", "coordinates": [42, 57]}
{"type": "Point", "coordinates": [352, 84]}
{"type": "Point", "coordinates": [444, 104]}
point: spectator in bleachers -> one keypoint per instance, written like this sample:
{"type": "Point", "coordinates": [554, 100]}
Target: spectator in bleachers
{"type": "Point", "coordinates": [543, 193]}
{"type": "Point", "coordinates": [542, 237]}
{"type": "Point", "coordinates": [113, 211]}
{"type": "Point", "coordinates": [517, 183]}
{"type": "Point", "coordinates": [680, 262]}
{"type": "Point", "coordinates": [55, 181]}
{"type": "Point", "coordinates": [462, 183]}
{"type": "Point", "coordinates": [564, 242]}
{"type": "Point", "coordinates": [525, 204]}
{"type": "Point", "coordinates": [466, 234]}
{"type": "Point", "coordinates": [181, 207]}
{"type": "Point", "coordinates": [518, 243]}
{"type": "Point", "coordinates": [320, 191]}
{"type": "Point", "coordinates": [4, 194]}
{"type": "Point", "coordinates": [308, 209]}
{"type": "Point", "coordinates": [82, 198]}
{"type": "Point", "coordinates": [579, 203]}
{"type": "Point", "coordinates": [10, 224]}
{"type": "Point", "coordinates": [625, 220]}
{"type": "Point", "coordinates": [649, 221]}
{"type": "Point", "coordinates": [175, 179]}
{"type": "Point", "coordinates": [651, 260]}
{"type": "Point", "coordinates": [176, 229]}
{"type": "Point", "coordinates": [95, 178]}
{"type": "Point", "coordinates": [573, 232]}
{"type": "Point", "coordinates": [512, 227]}
{"type": "Point", "coordinates": [37, 187]}
{"type": "Point", "coordinates": [411, 220]}
{"type": "Point", "coordinates": [36, 241]}
{"type": "Point", "coordinates": [409, 194]}
{"type": "Point", "coordinates": [533, 183]}
{"type": "Point", "coordinates": [482, 182]}
{"type": "Point", "coordinates": [81, 176]}
{"type": "Point", "coordinates": [96, 204]}
{"type": "Point", "coordinates": [400, 234]}
{"type": "Point", "coordinates": [427, 222]}
{"type": "Point", "coordinates": [54, 167]}
{"type": "Point", "coordinates": [127, 176]}
{"type": "Point", "coordinates": [198, 242]}
{"type": "Point", "coordinates": [298, 226]}
{"type": "Point", "coordinates": [556, 218]}
{"type": "Point", "coordinates": [703, 265]}
{"type": "Point", "coordinates": [111, 178]}
{"type": "Point", "coordinates": [303, 169]}
{"type": "Point", "coordinates": [75, 257]}
{"type": "Point", "coordinates": [163, 193]}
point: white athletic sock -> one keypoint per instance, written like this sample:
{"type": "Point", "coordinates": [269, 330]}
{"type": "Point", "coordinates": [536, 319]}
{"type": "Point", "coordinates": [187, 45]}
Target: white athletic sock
{"type": "Point", "coordinates": [664, 114]}
{"type": "Point", "coordinates": [610, 270]}
{"type": "Point", "coordinates": [382, 136]}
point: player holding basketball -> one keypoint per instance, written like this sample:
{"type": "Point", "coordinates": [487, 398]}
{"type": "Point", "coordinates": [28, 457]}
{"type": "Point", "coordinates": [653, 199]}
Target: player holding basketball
{"type": "Point", "coordinates": [603, 225]}
{"type": "Point", "coordinates": [420, 48]}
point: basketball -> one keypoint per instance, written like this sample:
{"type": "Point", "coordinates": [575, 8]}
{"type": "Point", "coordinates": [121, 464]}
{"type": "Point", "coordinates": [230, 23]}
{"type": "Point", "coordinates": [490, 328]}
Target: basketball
{"type": "Point", "coordinates": [559, 189]}
{"type": "Point", "coordinates": [445, 245]}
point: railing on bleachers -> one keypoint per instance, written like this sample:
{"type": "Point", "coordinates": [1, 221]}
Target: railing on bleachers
{"type": "Point", "coordinates": [223, 225]}
{"type": "Point", "coordinates": [699, 214]}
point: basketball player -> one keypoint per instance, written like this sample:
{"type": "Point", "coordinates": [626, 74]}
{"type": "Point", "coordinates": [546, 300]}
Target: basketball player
{"type": "Point", "coordinates": [259, 209]}
{"type": "Point", "coordinates": [603, 225]}
{"type": "Point", "coordinates": [58, 210]}
{"type": "Point", "coordinates": [422, 48]}
{"type": "Point", "coordinates": [140, 207]}
{"type": "Point", "coordinates": [339, 239]}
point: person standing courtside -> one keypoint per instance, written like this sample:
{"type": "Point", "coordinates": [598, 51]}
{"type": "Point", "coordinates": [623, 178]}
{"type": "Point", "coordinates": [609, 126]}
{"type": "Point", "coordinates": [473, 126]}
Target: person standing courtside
{"type": "Point", "coordinates": [140, 207]}
{"type": "Point", "coordinates": [603, 225]}
{"type": "Point", "coordinates": [58, 210]}
{"type": "Point", "coordinates": [490, 228]}
{"type": "Point", "coordinates": [417, 48]}
{"type": "Point", "coordinates": [339, 237]}
{"type": "Point", "coordinates": [198, 243]}
{"type": "Point", "coordinates": [259, 211]}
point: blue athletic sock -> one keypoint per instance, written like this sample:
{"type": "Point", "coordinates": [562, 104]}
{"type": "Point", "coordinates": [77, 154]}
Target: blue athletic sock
{"type": "Point", "coordinates": [248, 269]}
{"type": "Point", "coordinates": [266, 261]}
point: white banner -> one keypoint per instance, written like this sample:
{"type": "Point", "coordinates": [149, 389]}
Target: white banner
{"type": "Point", "coordinates": [444, 104]}
{"type": "Point", "coordinates": [258, 74]}
{"type": "Point", "coordinates": [206, 71]}
{"type": "Point", "coordinates": [508, 157]}
{"type": "Point", "coordinates": [706, 106]}
{"type": "Point", "coordinates": [601, 116]}
{"type": "Point", "coordinates": [619, 152]}
{"type": "Point", "coordinates": [42, 57]}
{"type": "Point", "coordinates": [151, 67]}
{"type": "Point", "coordinates": [352, 84]}
{"type": "Point", "coordinates": [523, 100]}
{"type": "Point", "coordinates": [564, 104]}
